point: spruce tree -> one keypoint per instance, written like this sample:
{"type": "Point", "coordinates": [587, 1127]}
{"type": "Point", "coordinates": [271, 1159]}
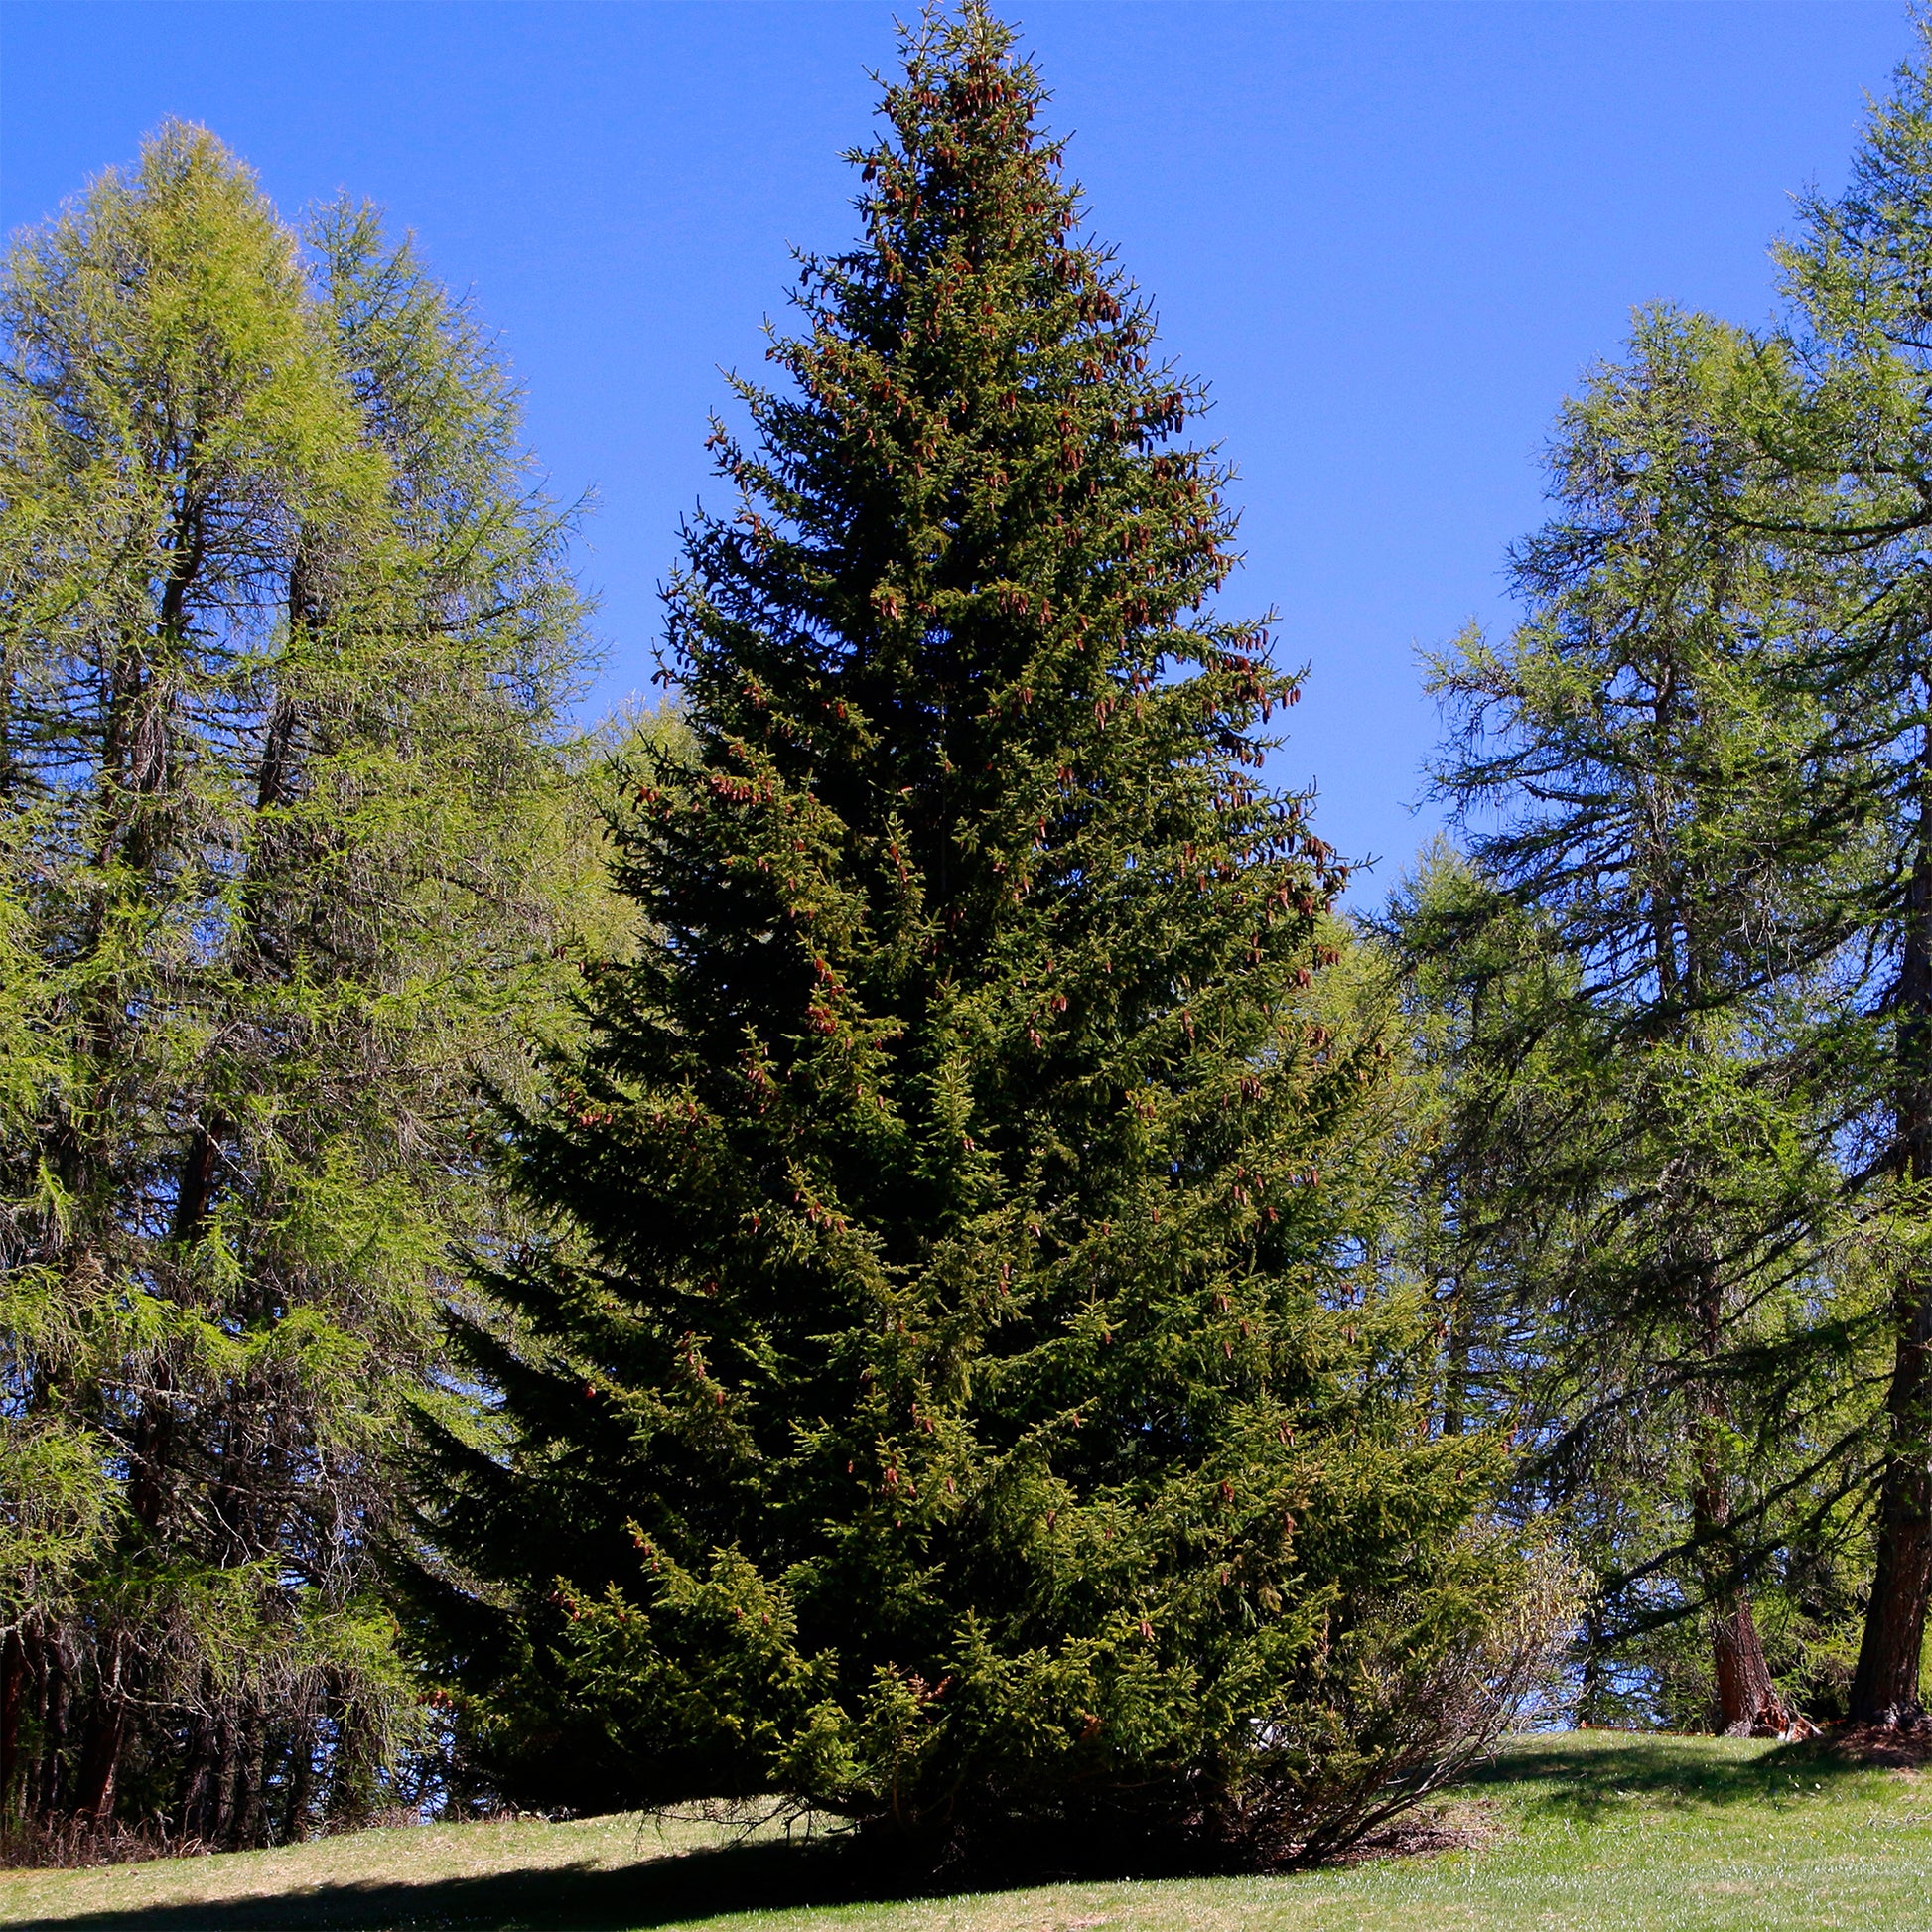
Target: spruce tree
{"type": "Point", "coordinates": [954, 1387]}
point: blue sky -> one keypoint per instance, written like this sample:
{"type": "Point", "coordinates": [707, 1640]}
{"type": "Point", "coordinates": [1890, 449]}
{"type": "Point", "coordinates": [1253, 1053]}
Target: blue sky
{"type": "Point", "coordinates": [1390, 236]}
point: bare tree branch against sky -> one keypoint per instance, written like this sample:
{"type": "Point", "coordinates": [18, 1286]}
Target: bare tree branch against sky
{"type": "Point", "coordinates": [1390, 236]}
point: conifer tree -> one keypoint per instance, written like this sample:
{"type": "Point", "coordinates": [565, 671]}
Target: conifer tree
{"type": "Point", "coordinates": [1666, 1175]}
{"type": "Point", "coordinates": [1793, 513]}
{"type": "Point", "coordinates": [1475, 974]}
{"type": "Point", "coordinates": [281, 630]}
{"type": "Point", "coordinates": [1850, 442]}
{"type": "Point", "coordinates": [954, 1388]}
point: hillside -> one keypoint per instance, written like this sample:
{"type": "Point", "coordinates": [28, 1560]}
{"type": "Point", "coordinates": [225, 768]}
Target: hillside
{"type": "Point", "coordinates": [1571, 1834]}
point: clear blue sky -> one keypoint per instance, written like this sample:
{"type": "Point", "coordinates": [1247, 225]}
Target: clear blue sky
{"type": "Point", "coordinates": [1390, 236]}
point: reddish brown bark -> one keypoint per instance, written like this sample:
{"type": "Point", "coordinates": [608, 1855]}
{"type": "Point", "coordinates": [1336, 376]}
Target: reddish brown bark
{"type": "Point", "coordinates": [1747, 1697]}
{"type": "Point", "coordinates": [1885, 1686]}
{"type": "Point", "coordinates": [101, 1763]}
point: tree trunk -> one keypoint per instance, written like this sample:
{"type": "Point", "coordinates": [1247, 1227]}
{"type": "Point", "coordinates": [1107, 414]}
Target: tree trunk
{"type": "Point", "coordinates": [302, 1772]}
{"type": "Point", "coordinates": [1590, 1695]}
{"type": "Point", "coordinates": [54, 1731]}
{"type": "Point", "coordinates": [1748, 1701]}
{"type": "Point", "coordinates": [198, 1782]}
{"type": "Point", "coordinates": [1456, 1362]}
{"type": "Point", "coordinates": [245, 1826]}
{"type": "Point", "coordinates": [222, 1805]}
{"type": "Point", "coordinates": [101, 1760]}
{"type": "Point", "coordinates": [1884, 1690]}
{"type": "Point", "coordinates": [1745, 1695]}
{"type": "Point", "coordinates": [29, 1794]}
{"type": "Point", "coordinates": [13, 1683]}
{"type": "Point", "coordinates": [1742, 1676]}
{"type": "Point", "coordinates": [1886, 1687]}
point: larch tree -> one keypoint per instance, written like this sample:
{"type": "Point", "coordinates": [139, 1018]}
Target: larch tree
{"type": "Point", "coordinates": [1641, 773]}
{"type": "Point", "coordinates": [282, 631]}
{"type": "Point", "coordinates": [954, 1388]}
{"type": "Point", "coordinates": [1855, 443]}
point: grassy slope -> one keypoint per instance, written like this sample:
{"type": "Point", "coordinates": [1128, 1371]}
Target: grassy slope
{"type": "Point", "coordinates": [1621, 1834]}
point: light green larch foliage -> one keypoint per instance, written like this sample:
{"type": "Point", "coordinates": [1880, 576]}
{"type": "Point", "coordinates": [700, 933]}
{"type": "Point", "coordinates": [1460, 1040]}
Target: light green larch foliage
{"type": "Point", "coordinates": [285, 625]}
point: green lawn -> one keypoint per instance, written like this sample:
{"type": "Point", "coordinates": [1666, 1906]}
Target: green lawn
{"type": "Point", "coordinates": [1578, 1833]}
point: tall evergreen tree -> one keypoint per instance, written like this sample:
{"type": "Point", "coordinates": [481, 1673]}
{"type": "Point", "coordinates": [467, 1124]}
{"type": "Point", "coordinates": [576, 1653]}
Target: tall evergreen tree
{"type": "Point", "coordinates": [1642, 773]}
{"type": "Point", "coordinates": [952, 1390]}
{"type": "Point", "coordinates": [281, 629]}
{"type": "Point", "coordinates": [1855, 443]}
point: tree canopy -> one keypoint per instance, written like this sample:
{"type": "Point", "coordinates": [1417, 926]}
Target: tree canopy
{"type": "Point", "coordinates": [283, 632]}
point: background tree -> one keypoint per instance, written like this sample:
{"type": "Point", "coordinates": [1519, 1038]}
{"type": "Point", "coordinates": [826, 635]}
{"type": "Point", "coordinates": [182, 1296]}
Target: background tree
{"type": "Point", "coordinates": [1841, 460]}
{"type": "Point", "coordinates": [1466, 964]}
{"type": "Point", "coordinates": [284, 627]}
{"type": "Point", "coordinates": [1642, 771]}
{"type": "Point", "coordinates": [953, 1391]}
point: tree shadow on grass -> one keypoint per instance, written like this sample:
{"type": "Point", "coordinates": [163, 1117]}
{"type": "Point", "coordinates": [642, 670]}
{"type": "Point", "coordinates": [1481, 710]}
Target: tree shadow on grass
{"type": "Point", "coordinates": [1588, 1780]}
{"type": "Point", "coordinates": [1585, 1781]}
{"type": "Point", "coordinates": [660, 1890]}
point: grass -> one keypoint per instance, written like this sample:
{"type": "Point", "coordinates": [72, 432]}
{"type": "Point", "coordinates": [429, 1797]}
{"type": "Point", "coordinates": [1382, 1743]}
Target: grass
{"type": "Point", "coordinates": [1587, 1833]}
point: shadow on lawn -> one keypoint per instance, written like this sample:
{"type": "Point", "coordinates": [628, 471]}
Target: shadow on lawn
{"type": "Point", "coordinates": [655, 1891]}
{"type": "Point", "coordinates": [1590, 1779]}
{"type": "Point", "coordinates": [1584, 1781]}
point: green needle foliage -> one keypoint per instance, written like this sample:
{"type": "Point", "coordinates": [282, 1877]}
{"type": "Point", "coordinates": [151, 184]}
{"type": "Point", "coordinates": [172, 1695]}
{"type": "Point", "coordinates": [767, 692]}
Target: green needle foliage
{"type": "Point", "coordinates": [955, 1388]}
{"type": "Point", "coordinates": [1754, 581]}
{"type": "Point", "coordinates": [1840, 458]}
{"type": "Point", "coordinates": [281, 632]}
{"type": "Point", "coordinates": [1662, 1177]}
